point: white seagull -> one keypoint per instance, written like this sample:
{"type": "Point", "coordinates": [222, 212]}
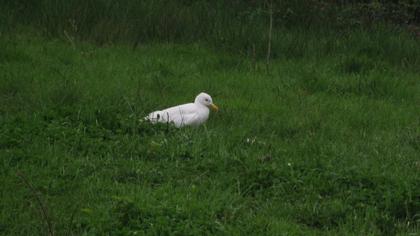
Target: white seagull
{"type": "Point", "coordinates": [190, 114]}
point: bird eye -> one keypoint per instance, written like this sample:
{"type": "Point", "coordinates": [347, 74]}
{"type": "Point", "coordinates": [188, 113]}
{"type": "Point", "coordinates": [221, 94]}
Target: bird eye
{"type": "Point", "coordinates": [206, 99]}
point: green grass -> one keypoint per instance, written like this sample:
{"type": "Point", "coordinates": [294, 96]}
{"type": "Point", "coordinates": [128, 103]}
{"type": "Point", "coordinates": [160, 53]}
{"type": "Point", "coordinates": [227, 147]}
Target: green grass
{"type": "Point", "coordinates": [325, 143]}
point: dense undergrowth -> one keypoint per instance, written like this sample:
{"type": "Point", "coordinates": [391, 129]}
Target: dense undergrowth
{"type": "Point", "coordinates": [240, 26]}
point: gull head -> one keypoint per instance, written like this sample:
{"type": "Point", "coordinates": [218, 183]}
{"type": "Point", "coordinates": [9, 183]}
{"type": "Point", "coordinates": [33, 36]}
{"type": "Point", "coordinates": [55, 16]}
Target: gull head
{"type": "Point", "coordinates": [205, 99]}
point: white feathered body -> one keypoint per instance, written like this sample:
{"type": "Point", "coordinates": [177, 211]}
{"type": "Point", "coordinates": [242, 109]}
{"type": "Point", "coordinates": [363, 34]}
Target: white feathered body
{"type": "Point", "coordinates": [190, 114]}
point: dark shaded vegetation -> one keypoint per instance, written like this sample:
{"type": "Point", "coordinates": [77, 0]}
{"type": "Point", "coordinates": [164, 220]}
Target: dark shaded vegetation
{"type": "Point", "coordinates": [239, 25]}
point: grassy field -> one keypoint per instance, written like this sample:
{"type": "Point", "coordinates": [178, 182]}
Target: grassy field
{"type": "Point", "coordinates": [324, 142]}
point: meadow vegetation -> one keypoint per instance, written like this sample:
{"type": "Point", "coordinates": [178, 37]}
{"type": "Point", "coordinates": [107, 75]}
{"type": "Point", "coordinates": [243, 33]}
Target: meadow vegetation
{"type": "Point", "coordinates": [323, 141]}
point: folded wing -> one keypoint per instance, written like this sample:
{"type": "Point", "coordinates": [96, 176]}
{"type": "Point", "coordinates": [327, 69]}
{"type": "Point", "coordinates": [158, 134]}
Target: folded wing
{"type": "Point", "coordinates": [186, 114]}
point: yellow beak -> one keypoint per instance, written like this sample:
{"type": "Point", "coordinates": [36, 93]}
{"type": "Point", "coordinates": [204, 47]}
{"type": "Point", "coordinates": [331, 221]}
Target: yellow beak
{"type": "Point", "coordinates": [214, 107]}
